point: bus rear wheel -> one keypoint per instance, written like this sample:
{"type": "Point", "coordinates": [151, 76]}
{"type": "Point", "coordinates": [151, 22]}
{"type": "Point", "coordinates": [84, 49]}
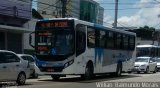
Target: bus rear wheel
{"type": "Point", "coordinates": [88, 72]}
{"type": "Point", "coordinates": [55, 77]}
{"type": "Point", "coordinates": [118, 70]}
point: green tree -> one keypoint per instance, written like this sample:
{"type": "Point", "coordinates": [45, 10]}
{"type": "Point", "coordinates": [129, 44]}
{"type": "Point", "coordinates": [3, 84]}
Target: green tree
{"type": "Point", "coordinates": [145, 32]}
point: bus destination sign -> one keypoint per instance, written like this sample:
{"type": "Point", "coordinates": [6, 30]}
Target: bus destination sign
{"type": "Point", "coordinates": [54, 24]}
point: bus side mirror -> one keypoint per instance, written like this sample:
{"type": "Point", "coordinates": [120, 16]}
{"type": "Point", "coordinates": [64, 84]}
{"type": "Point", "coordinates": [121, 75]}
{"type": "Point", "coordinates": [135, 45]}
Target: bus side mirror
{"type": "Point", "coordinates": [30, 39]}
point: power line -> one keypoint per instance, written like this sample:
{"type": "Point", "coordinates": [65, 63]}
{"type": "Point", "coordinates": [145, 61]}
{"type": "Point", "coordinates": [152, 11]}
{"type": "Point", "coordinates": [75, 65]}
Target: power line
{"type": "Point", "coordinates": [130, 3]}
{"type": "Point", "coordinates": [104, 9]}
{"type": "Point", "coordinates": [125, 26]}
{"type": "Point", "coordinates": [50, 6]}
{"type": "Point", "coordinates": [107, 9]}
{"type": "Point", "coordinates": [156, 25]}
{"type": "Point", "coordinates": [157, 1]}
{"type": "Point", "coordinates": [47, 4]}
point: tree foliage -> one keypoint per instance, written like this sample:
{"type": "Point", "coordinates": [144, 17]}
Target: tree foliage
{"type": "Point", "coordinates": [145, 32]}
{"type": "Point", "coordinates": [36, 15]}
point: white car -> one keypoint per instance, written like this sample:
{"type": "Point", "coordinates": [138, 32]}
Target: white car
{"type": "Point", "coordinates": [13, 68]}
{"type": "Point", "coordinates": [158, 64]}
{"type": "Point", "coordinates": [34, 70]}
{"type": "Point", "coordinates": [145, 64]}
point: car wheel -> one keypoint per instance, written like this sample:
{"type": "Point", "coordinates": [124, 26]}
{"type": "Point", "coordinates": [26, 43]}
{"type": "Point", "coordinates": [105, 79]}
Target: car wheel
{"type": "Point", "coordinates": [147, 70]}
{"type": "Point", "coordinates": [35, 75]}
{"type": "Point", "coordinates": [138, 72]}
{"type": "Point", "coordinates": [21, 79]}
{"type": "Point", "coordinates": [155, 70]}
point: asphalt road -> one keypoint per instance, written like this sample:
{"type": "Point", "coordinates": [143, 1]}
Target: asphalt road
{"type": "Point", "coordinates": [98, 82]}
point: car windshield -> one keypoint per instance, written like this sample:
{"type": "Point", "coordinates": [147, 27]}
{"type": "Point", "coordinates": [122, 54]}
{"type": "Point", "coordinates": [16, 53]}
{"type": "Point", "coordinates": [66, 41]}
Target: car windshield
{"type": "Point", "coordinates": [30, 59]}
{"type": "Point", "coordinates": [142, 60]}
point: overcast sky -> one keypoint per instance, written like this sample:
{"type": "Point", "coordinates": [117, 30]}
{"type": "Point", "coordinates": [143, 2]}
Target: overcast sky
{"type": "Point", "coordinates": [132, 13]}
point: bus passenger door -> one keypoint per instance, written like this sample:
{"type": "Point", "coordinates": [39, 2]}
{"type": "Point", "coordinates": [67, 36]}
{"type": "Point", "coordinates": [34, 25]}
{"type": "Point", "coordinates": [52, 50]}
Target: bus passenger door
{"type": "Point", "coordinates": [80, 45]}
{"type": "Point", "coordinates": [126, 52]}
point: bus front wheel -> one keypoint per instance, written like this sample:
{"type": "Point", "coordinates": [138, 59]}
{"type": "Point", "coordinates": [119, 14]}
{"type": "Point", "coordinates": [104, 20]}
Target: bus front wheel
{"type": "Point", "coordinates": [118, 70]}
{"type": "Point", "coordinates": [88, 71]}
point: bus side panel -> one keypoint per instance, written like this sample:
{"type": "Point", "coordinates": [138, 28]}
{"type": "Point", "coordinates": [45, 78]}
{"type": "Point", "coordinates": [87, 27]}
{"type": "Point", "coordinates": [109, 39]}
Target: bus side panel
{"type": "Point", "coordinates": [90, 56]}
{"type": "Point", "coordinates": [131, 60]}
{"type": "Point", "coordinates": [109, 63]}
{"type": "Point", "coordinates": [112, 57]}
{"type": "Point", "coordinates": [80, 63]}
{"type": "Point", "coordinates": [104, 60]}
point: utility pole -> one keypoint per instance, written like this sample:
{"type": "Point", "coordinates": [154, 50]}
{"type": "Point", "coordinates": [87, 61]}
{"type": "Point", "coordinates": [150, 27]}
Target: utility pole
{"type": "Point", "coordinates": [116, 13]}
{"type": "Point", "coordinates": [153, 37]}
{"type": "Point", "coordinates": [64, 2]}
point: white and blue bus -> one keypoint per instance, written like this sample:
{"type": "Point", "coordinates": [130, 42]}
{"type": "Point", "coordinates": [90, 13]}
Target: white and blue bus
{"type": "Point", "coordinates": [68, 46]}
{"type": "Point", "coordinates": [148, 51]}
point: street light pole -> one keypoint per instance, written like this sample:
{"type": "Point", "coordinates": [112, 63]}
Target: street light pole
{"type": "Point", "coordinates": [153, 37]}
{"type": "Point", "coordinates": [64, 2]}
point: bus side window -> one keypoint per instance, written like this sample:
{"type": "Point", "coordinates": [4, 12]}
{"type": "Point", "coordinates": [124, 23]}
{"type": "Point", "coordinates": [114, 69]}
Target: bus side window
{"type": "Point", "coordinates": [102, 39]}
{"type": "Point", "coordinates": [125, 42]}
{"type": "Point", "coordinates": [118, 41]}
{"type": "Point", "coordinates": [131, 42]}
{"type": "Point", "coordinates": [110, 40]}
{"type": "Point", "coordinates": [80, 39]}
{"type": "Point", "coordinates": [91, 38]}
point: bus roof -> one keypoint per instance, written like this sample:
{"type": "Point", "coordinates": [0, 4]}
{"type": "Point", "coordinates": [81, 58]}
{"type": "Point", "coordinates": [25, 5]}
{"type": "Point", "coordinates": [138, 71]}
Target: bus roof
{"type": "Point", "coordinates": [114, 29]}
{"type": "Point", "coordinates": [143, 46]}
{"type": "Point", "coordinates": [99, 26]}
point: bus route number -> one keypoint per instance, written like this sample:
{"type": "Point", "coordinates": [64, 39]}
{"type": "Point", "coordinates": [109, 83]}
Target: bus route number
{"type": "Point", "coordinates": [54, 24]}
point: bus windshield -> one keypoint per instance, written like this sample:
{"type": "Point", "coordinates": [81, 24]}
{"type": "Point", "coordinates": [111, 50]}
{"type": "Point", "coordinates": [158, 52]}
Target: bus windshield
{"type": "Point", "coordinates": [55, 42]}
{"type": "Point", "coordinates": [143, 52]}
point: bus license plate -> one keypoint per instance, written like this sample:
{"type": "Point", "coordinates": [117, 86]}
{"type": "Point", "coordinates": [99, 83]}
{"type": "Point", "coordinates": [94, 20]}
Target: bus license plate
{"type": "Point", "coordinates": [50, 70]}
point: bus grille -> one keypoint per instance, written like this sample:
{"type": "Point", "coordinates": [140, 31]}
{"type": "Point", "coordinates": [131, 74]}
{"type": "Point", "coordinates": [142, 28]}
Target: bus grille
{"type": "Point", "coordinates": [48, 69]}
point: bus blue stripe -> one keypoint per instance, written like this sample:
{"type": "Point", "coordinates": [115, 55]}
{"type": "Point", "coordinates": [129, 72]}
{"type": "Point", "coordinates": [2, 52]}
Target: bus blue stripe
{"type": "Point", "coordinates": [99, 26]}
{"type": "Point", "coordinates": [99, 54]}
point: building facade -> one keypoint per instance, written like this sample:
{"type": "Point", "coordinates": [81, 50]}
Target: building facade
{"type": "Point", "coordinates": [47, 8]}
{"type": "Point", "coordinates": [87, 10]}
{"type": "Point", "coordinates": [13, 15]}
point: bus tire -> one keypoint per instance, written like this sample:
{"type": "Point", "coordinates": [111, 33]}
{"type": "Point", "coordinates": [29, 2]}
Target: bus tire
{"type": "Point", "coordinates": [118, 70]}
{"type": "Point", "coordinates": [55, 77]}
{"type": "Point", "coordinates": [88, 71]}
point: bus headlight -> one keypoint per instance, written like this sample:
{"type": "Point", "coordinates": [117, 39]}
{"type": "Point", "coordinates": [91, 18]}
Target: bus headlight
{"type": "Point", "coordinates": [68, 63]}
